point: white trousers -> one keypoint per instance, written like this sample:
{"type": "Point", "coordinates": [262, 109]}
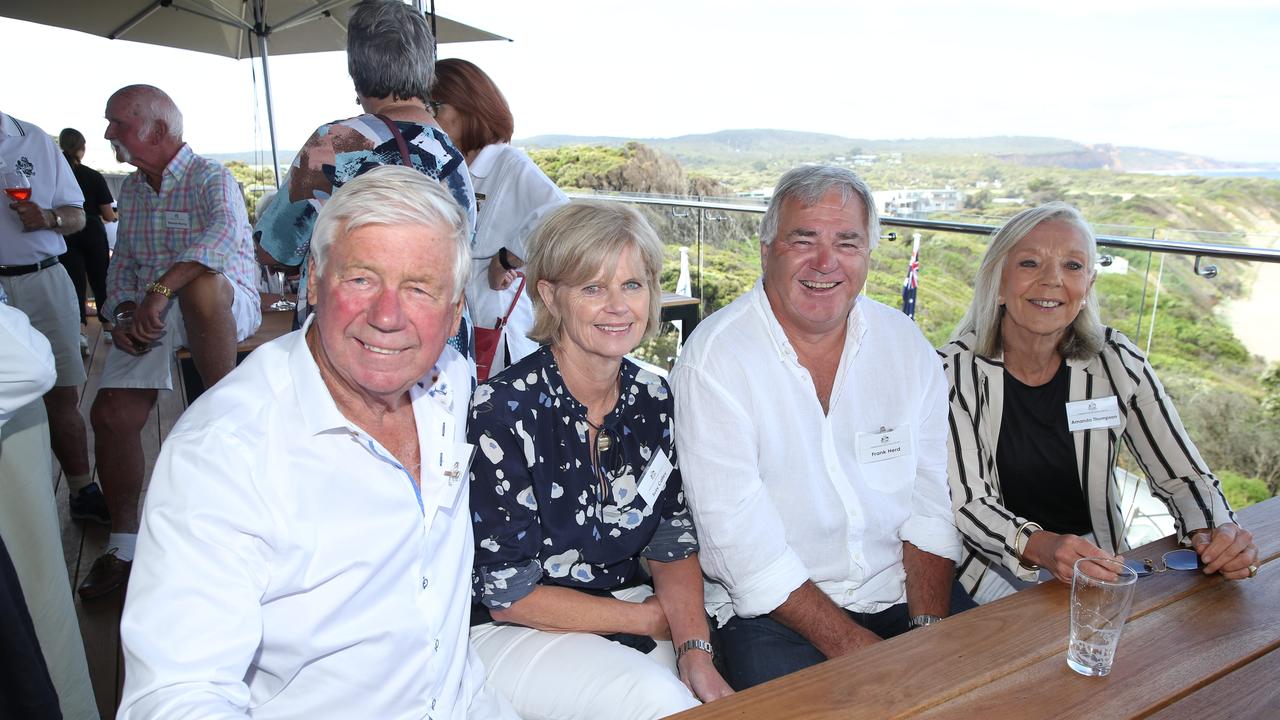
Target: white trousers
{"type": "Point", "coordinates": [29, 526]}
{"type": "Point", "coordinates": [572, 676]}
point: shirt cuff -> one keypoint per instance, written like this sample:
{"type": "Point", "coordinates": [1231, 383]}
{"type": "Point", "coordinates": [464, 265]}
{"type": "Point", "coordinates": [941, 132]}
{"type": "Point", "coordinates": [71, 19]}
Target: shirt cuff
{"type": "Point", "coordinates": [675, 539]}
{"type": "Point", "coordinates": [505, 585]}
{"type": "Point", "coordinates": [770, 586]}
{"type": "Point", "coordinates": [214, 261]}
{"type": "Point", "coordinates": [934, 536]}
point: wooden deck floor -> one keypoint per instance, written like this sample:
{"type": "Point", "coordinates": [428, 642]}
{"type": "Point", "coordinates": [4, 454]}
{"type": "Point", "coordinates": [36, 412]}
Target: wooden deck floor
{"type": "Point", "coordinates": [82, 543]}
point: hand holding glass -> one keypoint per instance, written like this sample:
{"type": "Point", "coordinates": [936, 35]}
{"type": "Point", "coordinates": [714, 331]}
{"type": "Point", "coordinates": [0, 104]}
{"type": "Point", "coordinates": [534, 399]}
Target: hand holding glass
{"type": "Point", "coordinates": [16, 185]}
{"type": "Point", "coordinates": [1101, 595]}
{"type": "Point", "coordinates": [124, 323]}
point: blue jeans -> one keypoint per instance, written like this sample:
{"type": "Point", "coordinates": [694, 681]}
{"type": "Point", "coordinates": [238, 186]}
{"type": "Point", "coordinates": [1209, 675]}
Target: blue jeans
{"type": "Point", "coordinates": [759, 649]}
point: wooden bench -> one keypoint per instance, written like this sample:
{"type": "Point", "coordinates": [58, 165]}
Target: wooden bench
{"type": "Point", "coordinates": [274, 324]}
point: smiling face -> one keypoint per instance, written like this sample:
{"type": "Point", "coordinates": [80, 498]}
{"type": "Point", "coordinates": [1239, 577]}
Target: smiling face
{"type": "Point", "coordinates": [605, 317]}
{"type": "Point", "coordinates": [384, 309]}
{"type": "Point", "coordinates": [1045, 281]}
{"type": "Point", "coordinates": [817, 264]}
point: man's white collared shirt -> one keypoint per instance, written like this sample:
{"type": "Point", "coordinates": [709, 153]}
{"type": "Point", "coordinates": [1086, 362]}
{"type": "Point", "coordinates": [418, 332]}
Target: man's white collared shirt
{"type": "Point", "coordinates": [288, 566]}
{"type": "Point", "coordinates": [779, 490]}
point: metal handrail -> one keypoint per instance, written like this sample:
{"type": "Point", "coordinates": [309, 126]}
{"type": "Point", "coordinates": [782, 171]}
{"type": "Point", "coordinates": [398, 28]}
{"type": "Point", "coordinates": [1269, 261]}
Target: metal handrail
{"type": "Point", "coordinates": [1178, 247]}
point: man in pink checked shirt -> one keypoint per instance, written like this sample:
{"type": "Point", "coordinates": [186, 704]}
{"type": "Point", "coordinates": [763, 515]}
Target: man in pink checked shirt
{"type": "Point", "coordinates": [183, 274]}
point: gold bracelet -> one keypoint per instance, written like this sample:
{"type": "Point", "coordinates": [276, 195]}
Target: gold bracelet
{"type": "Point", "coordinates": [1017, 533]}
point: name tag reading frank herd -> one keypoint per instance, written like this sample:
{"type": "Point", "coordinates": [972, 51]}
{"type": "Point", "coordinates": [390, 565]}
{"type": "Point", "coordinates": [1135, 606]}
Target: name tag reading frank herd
{"type": "Point", "coordinates": [885, 444]}
{"type": "Point", "coordinates": [1094, 413]}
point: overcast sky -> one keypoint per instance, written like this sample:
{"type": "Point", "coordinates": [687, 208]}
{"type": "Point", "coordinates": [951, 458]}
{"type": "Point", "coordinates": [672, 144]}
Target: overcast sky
{"type": "Point", "coordinates": [1198, 77]}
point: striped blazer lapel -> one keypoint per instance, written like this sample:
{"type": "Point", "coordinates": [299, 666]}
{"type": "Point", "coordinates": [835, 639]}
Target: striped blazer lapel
{"type": "Point", "coordinates": [989, 393]}
{"type": "Point", "coordinates": [1094, 453]}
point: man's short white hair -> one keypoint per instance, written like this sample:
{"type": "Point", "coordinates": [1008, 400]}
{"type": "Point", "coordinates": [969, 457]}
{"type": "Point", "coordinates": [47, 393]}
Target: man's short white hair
{"type": "Point", "coordinates": [151, 105]}
{"type": "Point", "coordinates": [393, 195]}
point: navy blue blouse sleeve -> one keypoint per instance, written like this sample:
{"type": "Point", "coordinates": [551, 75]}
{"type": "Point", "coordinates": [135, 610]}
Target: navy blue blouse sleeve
{"type": "Point", "coordinates": [503, 504]}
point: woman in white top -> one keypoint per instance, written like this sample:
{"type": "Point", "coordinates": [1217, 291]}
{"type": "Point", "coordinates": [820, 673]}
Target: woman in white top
{"type": "Point", "coordinates": [512, 196]}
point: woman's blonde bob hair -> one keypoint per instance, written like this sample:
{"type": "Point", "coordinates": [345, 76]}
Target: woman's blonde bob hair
{"type": "Point", "coordinates": [1085, 336]}
{"type": "Point", "coordinates": [583, 241]}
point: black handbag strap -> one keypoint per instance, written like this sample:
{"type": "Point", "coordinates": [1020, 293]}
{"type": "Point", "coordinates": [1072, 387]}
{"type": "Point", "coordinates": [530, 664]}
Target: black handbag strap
{"type": "Point", "coordinates": [395, 132]}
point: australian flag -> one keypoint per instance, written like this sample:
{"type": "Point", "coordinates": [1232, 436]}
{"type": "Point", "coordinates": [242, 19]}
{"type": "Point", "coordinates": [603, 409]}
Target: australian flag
{"type": "Point", "coordinates": [912, 281]}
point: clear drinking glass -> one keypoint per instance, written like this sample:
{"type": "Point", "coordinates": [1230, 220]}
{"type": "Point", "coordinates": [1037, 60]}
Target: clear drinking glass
{"type": "Point", "coordinates": [1101, 595]}
{"type": "Point", "coordinates": [124, 321]}
{"type": "Point", "coordinates": [16, 185]}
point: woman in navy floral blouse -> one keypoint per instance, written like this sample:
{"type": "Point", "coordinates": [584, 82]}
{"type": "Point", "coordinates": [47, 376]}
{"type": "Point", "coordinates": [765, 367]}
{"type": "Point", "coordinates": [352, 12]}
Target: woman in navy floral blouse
{"type": "Point", "coordinates": [575, 481]}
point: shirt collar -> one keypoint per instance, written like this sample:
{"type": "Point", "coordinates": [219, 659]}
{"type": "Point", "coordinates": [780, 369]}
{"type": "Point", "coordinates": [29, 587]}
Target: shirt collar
{"type": "Point", "coordinates": [557, 387]}
{"type": "Point", "coordinates": [321, 414]}
{"type": "Point", "coordinates": [484, 160]}
{"type": "Point", "coordinates": [9, 126]}
{"type": "Point", "coordinates": [855, 326]}
{"type": "Point", "coordinates": [180, 164]}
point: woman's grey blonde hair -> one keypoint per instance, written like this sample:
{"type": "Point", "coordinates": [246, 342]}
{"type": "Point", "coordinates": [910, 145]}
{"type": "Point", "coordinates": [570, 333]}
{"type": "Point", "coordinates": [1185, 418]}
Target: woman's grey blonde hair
{"type": "Point", "coordinates": [1085, 336]}
{"type": "Point", "coordinates": [575, 242]}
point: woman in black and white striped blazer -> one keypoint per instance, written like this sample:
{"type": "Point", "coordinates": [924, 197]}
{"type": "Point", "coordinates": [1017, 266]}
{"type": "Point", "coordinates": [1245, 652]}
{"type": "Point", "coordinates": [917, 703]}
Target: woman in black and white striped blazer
{"type": "Point", "coordinates": [1031, 484]}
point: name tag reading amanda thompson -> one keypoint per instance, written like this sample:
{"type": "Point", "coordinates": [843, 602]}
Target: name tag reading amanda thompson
{"type": "Point", "coordinates": [1094, 413]}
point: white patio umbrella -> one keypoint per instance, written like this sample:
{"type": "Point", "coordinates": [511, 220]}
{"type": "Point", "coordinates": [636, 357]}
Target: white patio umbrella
{"type": "Point", "coordinates": [232, 28]}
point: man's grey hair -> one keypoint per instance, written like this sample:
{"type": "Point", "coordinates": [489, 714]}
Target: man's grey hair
{"type": "Point", "coordinates": [985, 313]}
{"type": "Point", "coordinates": [808, 183]}
{"type": "Point", "coordinates": [394, 195]}
{"type": "Point", "coordinates": [390, 50]}
{"type": "Point", "coordinates": [151, 104]}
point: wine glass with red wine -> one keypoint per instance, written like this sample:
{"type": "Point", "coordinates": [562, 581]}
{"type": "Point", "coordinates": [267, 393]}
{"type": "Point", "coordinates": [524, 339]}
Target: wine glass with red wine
{"type": "Point", "coordinates": [16, 185]}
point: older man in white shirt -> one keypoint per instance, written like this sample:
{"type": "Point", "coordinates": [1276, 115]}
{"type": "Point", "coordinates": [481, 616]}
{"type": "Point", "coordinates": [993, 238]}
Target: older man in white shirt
{"type": "Point", "coordinates": [811, 423]}
{"type": "Point", "coordinates": [306, 546]}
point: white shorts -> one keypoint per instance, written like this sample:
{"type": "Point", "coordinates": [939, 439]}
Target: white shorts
{"type": "Point", "coordinates": [579, 675]}
{"type": "Point", "coordinates": [153, 370]}
{"type": "Point", "coordinates": [49, 300]}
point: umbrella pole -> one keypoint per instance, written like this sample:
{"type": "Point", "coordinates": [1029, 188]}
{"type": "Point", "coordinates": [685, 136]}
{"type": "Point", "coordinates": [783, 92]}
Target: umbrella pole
{"type": "Point", "coordinates": [271, 116]}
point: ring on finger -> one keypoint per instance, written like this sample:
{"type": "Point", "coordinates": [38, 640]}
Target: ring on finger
{"type": "Point", "coordinates": [1253, 571]}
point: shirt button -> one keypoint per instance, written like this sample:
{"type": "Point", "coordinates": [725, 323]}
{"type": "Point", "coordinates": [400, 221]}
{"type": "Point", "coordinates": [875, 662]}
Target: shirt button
{"type": "Point", "coordinates": [424, 582]}
{"type": "Point", "coordinates": [437, 645]}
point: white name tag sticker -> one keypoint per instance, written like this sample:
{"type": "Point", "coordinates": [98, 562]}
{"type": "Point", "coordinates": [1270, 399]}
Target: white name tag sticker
{"type": "Point", "coordinates": [177, 220]}
{"type": "Point", "coordinates": [885, 444]}
{"type": "Point", "coordinates": [1091, 414]}
{"type": "Point", "coordinates": [654, 479]}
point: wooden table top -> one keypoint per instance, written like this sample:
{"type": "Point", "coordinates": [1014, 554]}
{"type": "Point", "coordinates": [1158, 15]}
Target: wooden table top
{"type": "Point", "coordinates": [670, 299]}
{"type": "Point", "coordinates": [1194, 646]}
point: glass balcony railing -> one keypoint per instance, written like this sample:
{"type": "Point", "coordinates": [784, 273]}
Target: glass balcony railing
{"type": "Point", "coordinates": [1200, 304]}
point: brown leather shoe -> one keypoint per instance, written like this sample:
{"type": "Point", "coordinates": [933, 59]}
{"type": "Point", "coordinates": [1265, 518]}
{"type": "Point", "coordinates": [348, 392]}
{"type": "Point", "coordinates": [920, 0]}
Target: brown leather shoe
{"type": "Point", "coordinates": [107, 575]}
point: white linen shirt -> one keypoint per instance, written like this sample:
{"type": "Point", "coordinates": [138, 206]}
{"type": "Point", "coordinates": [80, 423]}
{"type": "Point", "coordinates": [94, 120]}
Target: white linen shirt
{"type": "Point", "coordinates": [776, 487]}
{"type": "Point", "coordinates": [512, 197]}
{"type": "Point", "coordinates": [286, 567]}
{"type": "Point", "coordinates": [26, 362]}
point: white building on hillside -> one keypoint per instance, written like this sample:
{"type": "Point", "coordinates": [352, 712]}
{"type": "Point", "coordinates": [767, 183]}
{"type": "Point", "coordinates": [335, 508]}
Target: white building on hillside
{"type": "Point", "coordinates": [905, 203]}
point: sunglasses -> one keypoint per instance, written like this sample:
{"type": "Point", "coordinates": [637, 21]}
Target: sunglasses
{"type": "Point", "coordinates": [1182, 559]}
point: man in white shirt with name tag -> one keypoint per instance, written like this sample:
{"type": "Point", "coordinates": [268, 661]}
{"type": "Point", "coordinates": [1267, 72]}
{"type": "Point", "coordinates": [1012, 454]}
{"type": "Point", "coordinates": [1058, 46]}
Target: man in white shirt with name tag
{"type": "Point", "coordinates": [306, 546]}
{"type": "Point", "coordinates": [183, 274]}
{"type": "Point", "coordinates": [811, 423]}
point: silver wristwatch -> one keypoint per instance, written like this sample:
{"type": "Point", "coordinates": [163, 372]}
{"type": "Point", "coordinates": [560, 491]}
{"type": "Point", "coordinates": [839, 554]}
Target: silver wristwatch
{"type": "Point", "coordinates": [694, 644]}
{"type": "Point", "coordinates": [922, 620]}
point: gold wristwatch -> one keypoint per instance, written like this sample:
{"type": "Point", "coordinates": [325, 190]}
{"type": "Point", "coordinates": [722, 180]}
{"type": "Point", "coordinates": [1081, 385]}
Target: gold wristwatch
{"type": "Point", "coordinates": [164, 290]}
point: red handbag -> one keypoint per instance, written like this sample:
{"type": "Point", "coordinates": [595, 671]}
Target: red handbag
{"type": "Point", "coordinates": [488, 339]}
